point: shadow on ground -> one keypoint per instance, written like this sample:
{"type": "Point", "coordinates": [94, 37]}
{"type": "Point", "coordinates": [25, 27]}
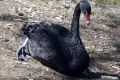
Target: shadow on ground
{"type": "Point", "coordinates": [117, 45]}
{"type": "Point", "coordinates": [13, 18]}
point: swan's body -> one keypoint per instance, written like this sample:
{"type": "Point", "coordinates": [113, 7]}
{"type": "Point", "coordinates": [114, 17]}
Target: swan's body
{"type": "Point", "coordinates": [56, 47]}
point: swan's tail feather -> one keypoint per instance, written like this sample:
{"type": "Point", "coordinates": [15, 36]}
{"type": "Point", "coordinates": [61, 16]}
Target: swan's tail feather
{"type": "Point", "coordinates": [30, 30]}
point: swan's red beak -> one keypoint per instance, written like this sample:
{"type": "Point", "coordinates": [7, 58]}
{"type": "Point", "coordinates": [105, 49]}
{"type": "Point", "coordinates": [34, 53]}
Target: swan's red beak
{"type": "Point", "coordinates": [87, 17]}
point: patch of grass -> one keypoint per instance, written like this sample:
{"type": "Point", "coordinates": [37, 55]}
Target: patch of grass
{"type": "Point", "coordinates": [110, 14]}
{"type": "Point", "coordinates": [116, 52]}
{"type": "Point", "coordinates": [16, 33]}
{"type": "Point", "coordinates": [43, 78]}
{"type": "Point", "coordinates": [11, 48]}
{"type": "Point", "coordinates": [108, 23]}
{"type": "Point", "coordinates": [115, 1]}
{"type": "Point", "coordinates": [107, 1]}
{"type": "Point", "coordinates": [94, 48]}
{"type": "Point", "coordinates": [82, 25]}
{"type": "Point", "coordinates": [4, 17]}
{"type": "Point", "coordinates": [90, 50]}
{"type": "Point", "coordinates": [116, 44]}
{"type": "Point", "coordinates": [9, 67]}
{"type": "Point", "coordinates": [92, 12]}
{"type": "Point", "coordinates": [50, 72]}
{"type": "Point", "coordinates": [35, 61]}
{"type": "Point", "coordinates": [95, 28]}
{"type": "Point", "coordinates": [99, 1]}
{"type": "Point", "coordinates": [11, 18]}
{"type": "Point", "coordinates": [111, 24]}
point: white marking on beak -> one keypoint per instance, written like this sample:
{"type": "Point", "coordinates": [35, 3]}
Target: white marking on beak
{"type": "Point", "coordinates": [88, 22]}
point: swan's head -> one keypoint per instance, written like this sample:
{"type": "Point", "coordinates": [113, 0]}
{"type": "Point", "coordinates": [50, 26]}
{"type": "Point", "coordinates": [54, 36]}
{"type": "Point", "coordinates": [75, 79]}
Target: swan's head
{"type": "Point", "coordinates": [86, 9]}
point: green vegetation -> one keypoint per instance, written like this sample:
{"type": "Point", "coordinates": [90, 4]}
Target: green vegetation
{"type": "Point", "coordinates": [111, 24]}
{"type": "Point", "coordinates": [108, 1]}
{"type": "Point", "coordinates": [110, 14]}
{"type": "Point", "coordinates": [95, 28]}
{"type": "Point", "coordinates": [4, 17]}
{"type": "Point", "coordinates": [95, 48]}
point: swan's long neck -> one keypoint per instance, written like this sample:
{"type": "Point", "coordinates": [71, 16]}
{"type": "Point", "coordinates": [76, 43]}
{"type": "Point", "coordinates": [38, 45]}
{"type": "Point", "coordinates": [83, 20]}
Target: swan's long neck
{"type": "Point", "coordinates": [75, 22]}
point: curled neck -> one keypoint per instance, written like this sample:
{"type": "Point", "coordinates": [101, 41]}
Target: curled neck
{"type": "Point", "coordinates": [75, 22]}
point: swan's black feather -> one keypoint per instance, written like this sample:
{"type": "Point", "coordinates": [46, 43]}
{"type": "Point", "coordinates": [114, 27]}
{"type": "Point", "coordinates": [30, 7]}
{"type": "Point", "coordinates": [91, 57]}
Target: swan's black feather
{"type": "Point", "coordinates": [56, 47]}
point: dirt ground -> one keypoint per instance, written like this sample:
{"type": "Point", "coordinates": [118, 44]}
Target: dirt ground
{"type": "Point", "coordinates": [101, 38]}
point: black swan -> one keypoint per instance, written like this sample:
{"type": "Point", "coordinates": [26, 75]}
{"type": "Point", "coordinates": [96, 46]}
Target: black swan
{"type": "Point", "coordinates": [55, 46]}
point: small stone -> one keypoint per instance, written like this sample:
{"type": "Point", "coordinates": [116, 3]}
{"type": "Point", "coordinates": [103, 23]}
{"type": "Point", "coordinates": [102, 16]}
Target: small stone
{"type": "Point", "coordinates": [47, 69]}
{"type": "Point", "coordinates": [51, 4]}
{"type": "Point", "coordinates": [6, 40]}
{"type": "Point", "coordinates": [99, 50]}
{"type": "Point", "coordinates": [46, 8]}
{"type": "Point", "coordinates": [18, 20]}
{"type": "Point", "coordinates": [93, 3]}
{"type": "Point", "coordinates": [28, 10]}
{"type": "Point", "coordinates": [20, 14]}
{"type": "Point", "coordinates": [33, 5]}
{"type": "Point", "coordinates": [9, 24]}
{"type": "Point", "coordinates": [30, 79]}
{"type": "Point", "coordinates": [0, 37]}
